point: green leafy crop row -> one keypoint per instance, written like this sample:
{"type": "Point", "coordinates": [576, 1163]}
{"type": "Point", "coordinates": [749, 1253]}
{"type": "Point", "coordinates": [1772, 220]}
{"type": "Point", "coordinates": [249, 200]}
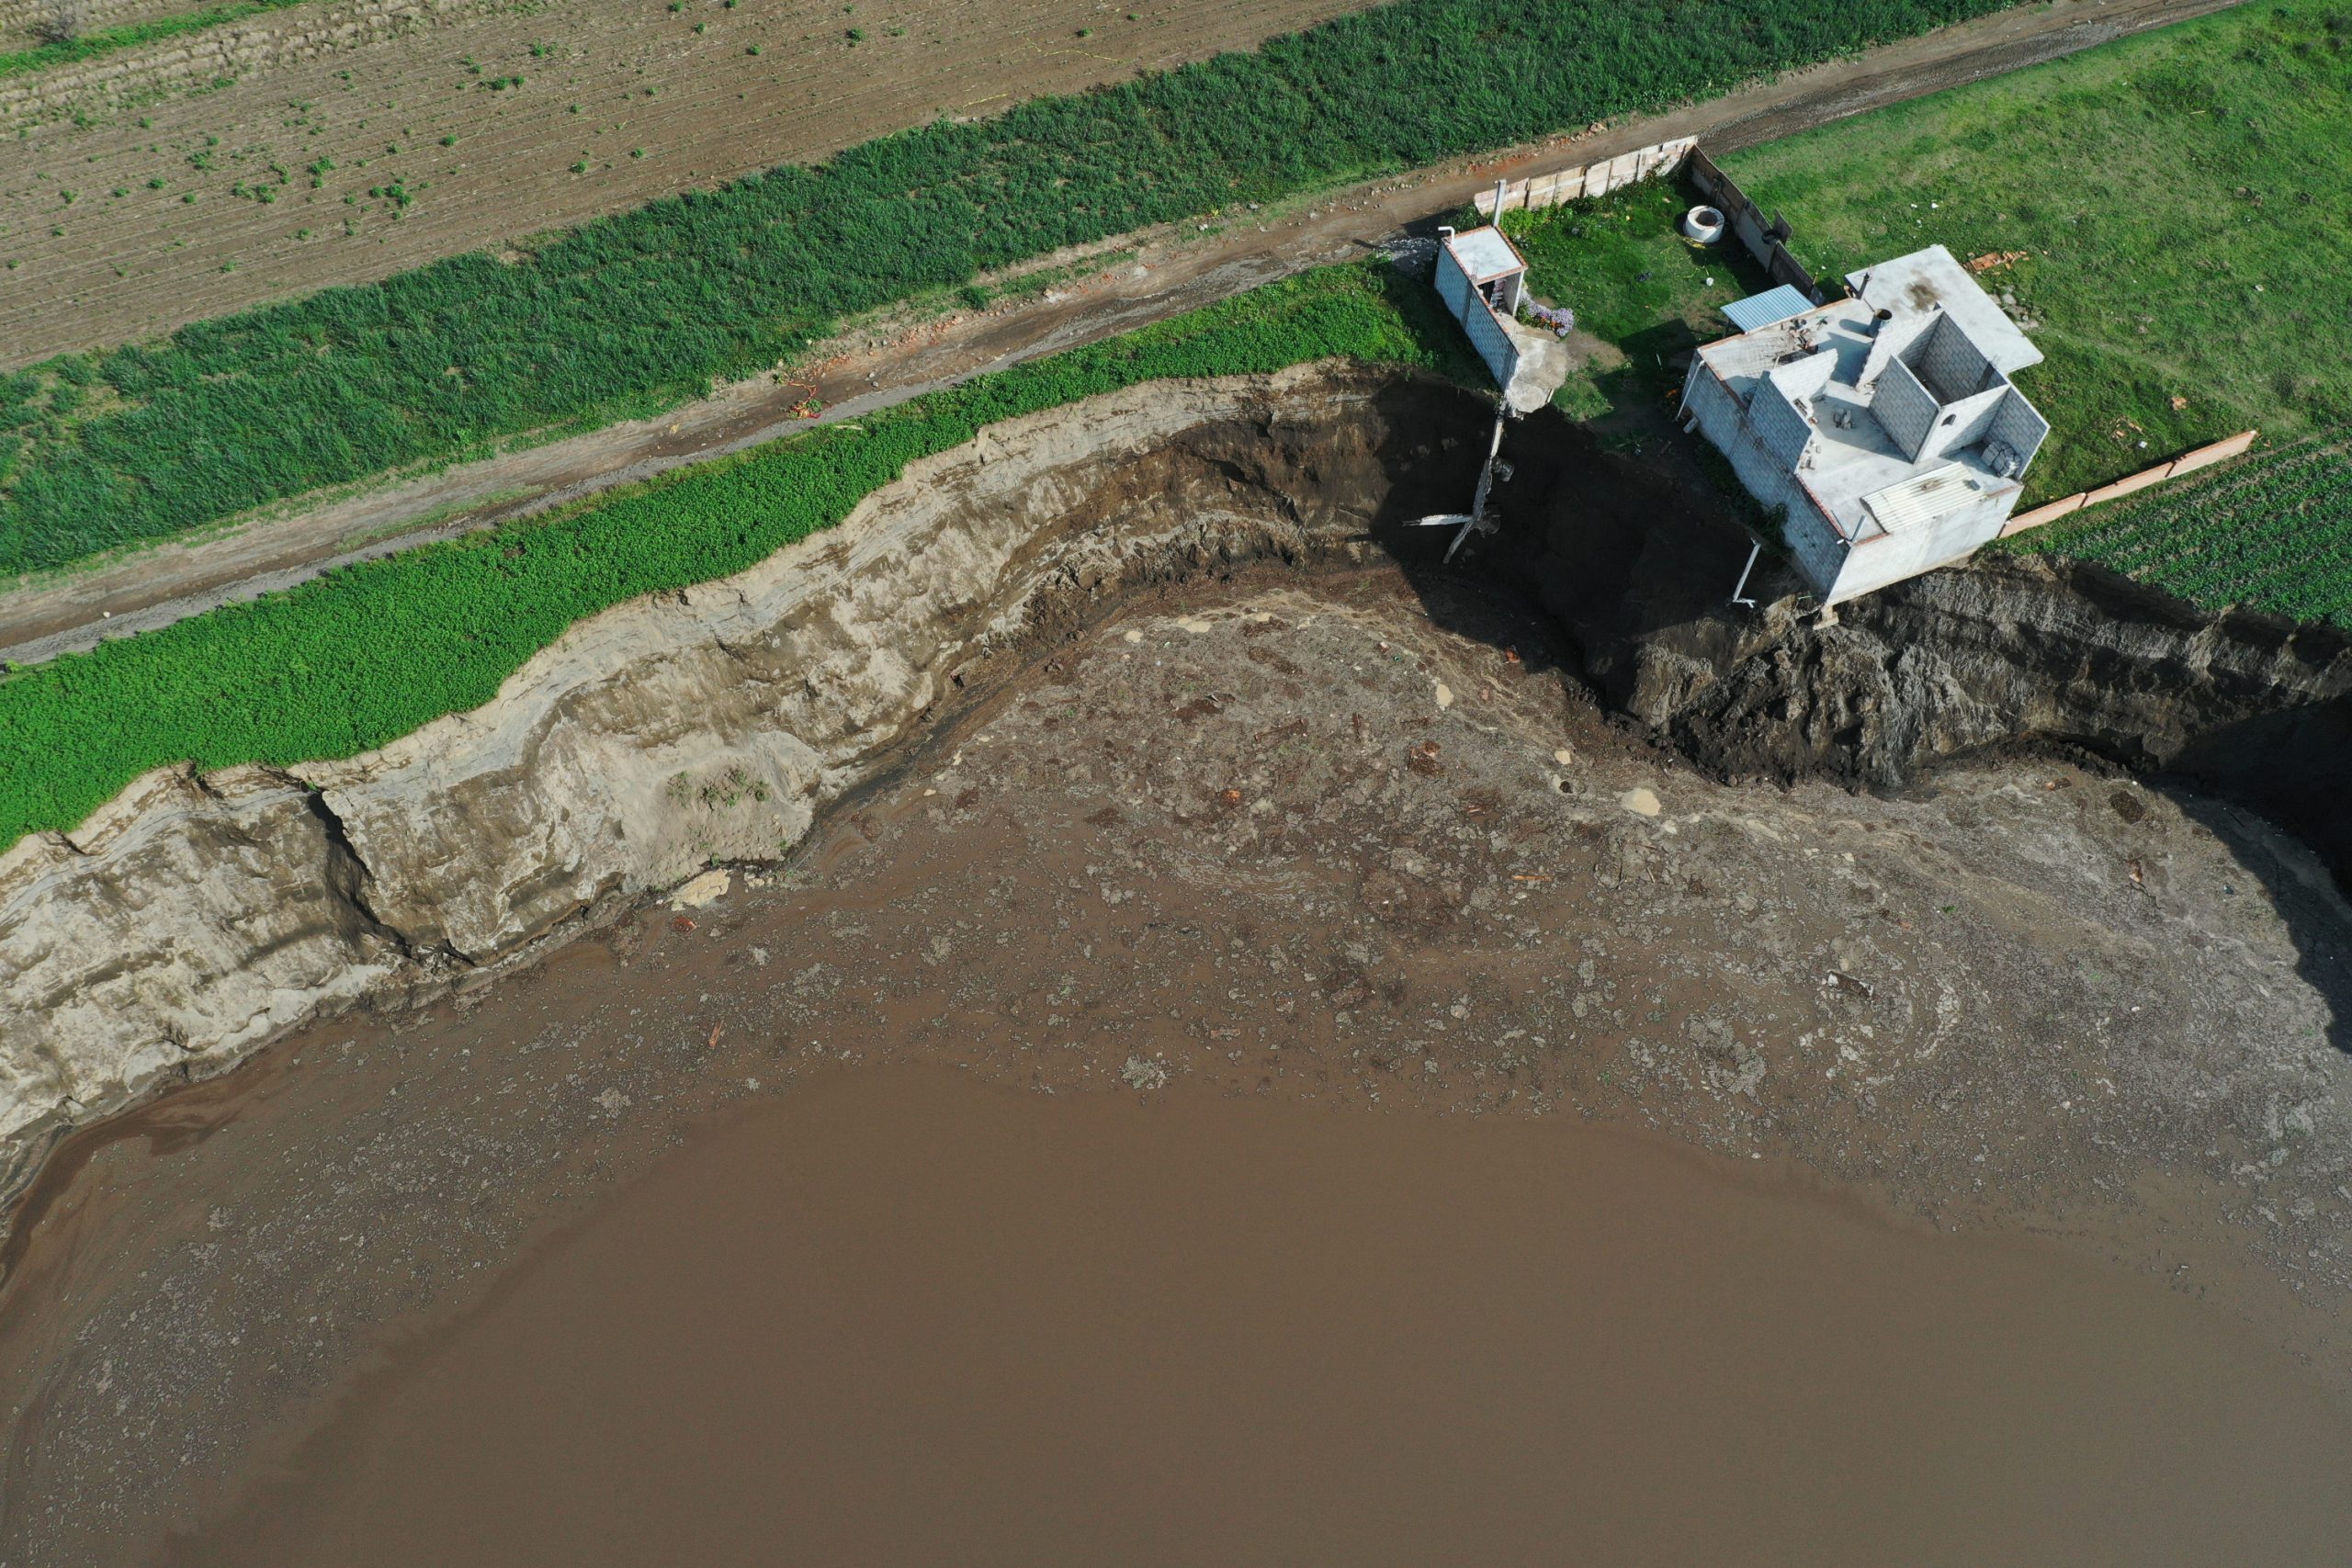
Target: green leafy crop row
{"type": "Point", "coordinates": [2274, 532]}
{"type": "Point", "coordinates": [362, 655]}
{"type": "Point", "coordinates": [647, 306]}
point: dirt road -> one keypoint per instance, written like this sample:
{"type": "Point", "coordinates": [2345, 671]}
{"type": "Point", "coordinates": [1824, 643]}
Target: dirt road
{"type": "Point", "coordinates": [1161, 274]}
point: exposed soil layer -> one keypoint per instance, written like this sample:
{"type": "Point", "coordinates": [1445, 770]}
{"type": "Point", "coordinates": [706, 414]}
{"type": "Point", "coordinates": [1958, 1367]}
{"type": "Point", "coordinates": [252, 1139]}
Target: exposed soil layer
{"type": "Point", "coordinates": [2005, 650]}
{"type": "Point", "coordinates": [1354, 839]}
{"type": "Point", "coordinates": [193, 919]}
{"type": "Point", "coordinates": [1175, 269]}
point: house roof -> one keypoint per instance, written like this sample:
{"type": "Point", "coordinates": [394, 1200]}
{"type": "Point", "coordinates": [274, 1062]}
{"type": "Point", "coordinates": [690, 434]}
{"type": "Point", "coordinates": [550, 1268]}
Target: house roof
{"type": "Point", "coordinates": [1932, 281]}
{"type": "Point", "coordinates": [1772, 305]}
{"type": "Point", "coordinates": [1853, 466]}
{"type": "Point", "coordinates": [1485, 254]}
{"type": "Point", "coordinates": [1921, 499]}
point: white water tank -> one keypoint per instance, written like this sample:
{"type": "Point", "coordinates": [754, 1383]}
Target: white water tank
{"type": "Point", "coordinates": [1704, 224]}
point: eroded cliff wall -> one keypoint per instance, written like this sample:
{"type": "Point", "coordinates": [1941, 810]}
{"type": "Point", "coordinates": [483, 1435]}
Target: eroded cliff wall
{"type": "Point", "coordinates": [2002, 651]}
{"type": "Point", "coordinates": [192, 919]}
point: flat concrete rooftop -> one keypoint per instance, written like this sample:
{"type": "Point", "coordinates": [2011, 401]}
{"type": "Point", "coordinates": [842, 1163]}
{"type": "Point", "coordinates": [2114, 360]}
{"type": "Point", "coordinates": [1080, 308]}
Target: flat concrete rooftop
{"type": "Point", "coordinates": [1485, 254]}
{"type": "Point", "coordinates": [1930, 281]}
{"type": "Point", "coordinates": [1852, 457]}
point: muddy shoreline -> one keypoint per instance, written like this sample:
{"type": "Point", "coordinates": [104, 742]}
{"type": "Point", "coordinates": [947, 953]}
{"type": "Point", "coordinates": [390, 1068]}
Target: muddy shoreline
{"type": "Point", "coordinates": [1311, 837]}
{"type": "Point", "coordinates": [194, 921]}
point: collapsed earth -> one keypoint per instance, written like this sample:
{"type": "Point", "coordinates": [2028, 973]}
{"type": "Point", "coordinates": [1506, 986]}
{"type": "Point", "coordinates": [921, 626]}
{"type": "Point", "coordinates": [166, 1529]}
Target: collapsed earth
{"type": "Point", "coordinates": [1066, 960]}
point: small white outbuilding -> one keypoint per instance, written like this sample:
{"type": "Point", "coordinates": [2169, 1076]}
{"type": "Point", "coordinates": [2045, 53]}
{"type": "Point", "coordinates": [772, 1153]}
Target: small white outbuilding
{"type": "Point", "coordinates": [1482, 278]}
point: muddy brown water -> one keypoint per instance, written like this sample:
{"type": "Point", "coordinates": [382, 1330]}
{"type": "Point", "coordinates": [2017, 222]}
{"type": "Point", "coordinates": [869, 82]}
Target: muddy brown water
{"type": "Point", "coordinates": [1531, 1179]}
{"type": "Point", "coordinates": [904, 1316]}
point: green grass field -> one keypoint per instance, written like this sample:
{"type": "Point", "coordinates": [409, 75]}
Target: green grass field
{"type": "Point", "coordinates": [2272, 532]}
{"type": "Point", "coordinates": [370, 652]}
{"type": "Point", "coordinates": [1634, 283]}
{"type": "Point", "coordinates": [2185, 202]}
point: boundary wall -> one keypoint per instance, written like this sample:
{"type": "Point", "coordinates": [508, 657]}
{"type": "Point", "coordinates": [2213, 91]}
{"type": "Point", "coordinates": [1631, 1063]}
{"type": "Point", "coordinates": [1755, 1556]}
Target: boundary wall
{"type": "Point", "coordinates": [2190, 462]}
{"type": "Point", "coordinates": [1479, 319]}
{"type": "Point", "coordinates": [1765, 240]}
{"type": "Point", "coordinates": [1591, 179]}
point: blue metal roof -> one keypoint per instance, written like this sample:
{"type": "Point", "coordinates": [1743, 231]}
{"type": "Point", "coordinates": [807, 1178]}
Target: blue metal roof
{"type": "Point", "coordinates": [1763, 310]}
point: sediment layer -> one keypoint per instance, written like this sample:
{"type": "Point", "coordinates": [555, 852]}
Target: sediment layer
{"type": "Point", "coordinates": [195, 918]}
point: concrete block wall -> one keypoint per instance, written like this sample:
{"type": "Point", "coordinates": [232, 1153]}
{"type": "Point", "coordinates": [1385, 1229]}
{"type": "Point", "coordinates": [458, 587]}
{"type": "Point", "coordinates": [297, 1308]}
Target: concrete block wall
{"type": "Point", "coordinates": [1765, 240]}
{"type": "Point", "coordinates": [1478, 318]}
{"type": "Point", "coordinates": [1946, 363]}
{"type": "Point", "coordinates": [1745, 218]}
{"type": "Point", "coordinates": [2020, 424]}
{"type": "Point", "coordinates": [1806, 377]}
{"type": "Point", "coordinates": [1904, 409]}
{"type": "Point", "coordinates": [1813, 545]}
{"type": "Point", "coordinates": [1493, 343]}
{"type": "Point", "coordinates": [1961, 424]}
{"type": "Point", "coordinates": [1453, 283]}
{"type": "Point", "coordinates": [1591, 179]}
{"type": "Point", "coordinates": [1890, 558]}
{"type": "Point", "coordinates": [1779, 428]}
{"type": "Point", "coordinates": [1892, 340]}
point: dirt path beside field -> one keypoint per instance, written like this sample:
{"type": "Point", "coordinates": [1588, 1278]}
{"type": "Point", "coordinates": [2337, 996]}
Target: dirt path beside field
{"type": "Point", "coordinates": [1161, 274]}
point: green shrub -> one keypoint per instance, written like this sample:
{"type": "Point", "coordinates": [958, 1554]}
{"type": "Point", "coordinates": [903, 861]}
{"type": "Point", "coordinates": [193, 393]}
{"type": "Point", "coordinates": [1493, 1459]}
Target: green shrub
{"type": "Point", "coordinates": [648, 308]}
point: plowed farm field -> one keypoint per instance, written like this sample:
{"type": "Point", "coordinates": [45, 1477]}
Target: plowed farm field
{"type": "Point", "coordinates": [337, 143]}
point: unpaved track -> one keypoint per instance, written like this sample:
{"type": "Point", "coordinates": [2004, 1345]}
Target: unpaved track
{"type": "Point", "coordinates": [1172, 270]}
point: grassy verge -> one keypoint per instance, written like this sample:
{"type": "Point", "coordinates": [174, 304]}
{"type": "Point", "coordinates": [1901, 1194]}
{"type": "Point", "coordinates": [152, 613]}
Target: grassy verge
{"type": "Point", "coordinates": [67, 51]}
{"type": "Point", "coordinates": [1636, 284]}
{"type": "Point", "coordinates": [368, 653]}
{"type": "Point", "coordinates": [2273, 532]}
{"type": "Point", "coordinates": [2184, 203]}
{"type": "Point", "coordinates": [147, 441]}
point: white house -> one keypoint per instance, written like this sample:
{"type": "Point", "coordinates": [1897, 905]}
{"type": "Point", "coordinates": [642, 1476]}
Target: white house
{"type": "Point", "coordinates": [1885, 426]}
{"type": "Point", "coordinates": [1482, 277]}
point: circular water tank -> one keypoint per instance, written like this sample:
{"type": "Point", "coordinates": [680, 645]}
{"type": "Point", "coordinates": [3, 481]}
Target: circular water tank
{"type": "Point", "coordinates": [1704, 224]}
